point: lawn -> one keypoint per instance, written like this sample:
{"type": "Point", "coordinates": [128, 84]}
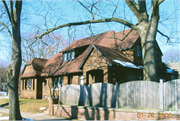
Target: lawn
{"type": "Point", "coordinates": [3, 114]}
{"type": "Point", "coordinates": [27, 105]}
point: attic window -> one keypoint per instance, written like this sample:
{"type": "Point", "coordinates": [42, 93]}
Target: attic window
{"type": "Point", "coordinates": [139, 51]}
{"type": "Point", "coordinates": [68, 56]}
{"type": "Point", "coordinates": [65, 57]}
{"type": "Point", "coordinates": [72, 55]}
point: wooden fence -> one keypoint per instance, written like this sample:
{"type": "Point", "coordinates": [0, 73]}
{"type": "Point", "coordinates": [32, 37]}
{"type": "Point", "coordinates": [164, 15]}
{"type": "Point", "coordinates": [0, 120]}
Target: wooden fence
{"type": "Point", "coordinates": [130, 95]}
{"type": "Point", "coordinates": [171, 95]}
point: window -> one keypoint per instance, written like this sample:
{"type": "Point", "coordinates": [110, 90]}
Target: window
{"type": "Point", "coordinates": [28, 84]}
{"type": "Point", "coordinates": [139, 51]}
{"type": "Point", "coordinates": [57, 82]}
{"type": "Point", "coordinates": [54, 82]}
{"type": "Point", "coordinates": [72, 55]}
{"type": "Point", "coordinates": [81, 82]}
{"type": "Point", "coordinates": [61, 81]}
{"type": "Point", "coordinates": [69, 56]}
{"type": "Point", "coordinates": [65, 57]}
{"type": "Point", "coordinates": [156, 54]}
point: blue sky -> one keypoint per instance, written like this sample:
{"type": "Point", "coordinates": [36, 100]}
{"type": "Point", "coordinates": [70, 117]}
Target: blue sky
{"type": "Point", "coordinates": [68, 11]}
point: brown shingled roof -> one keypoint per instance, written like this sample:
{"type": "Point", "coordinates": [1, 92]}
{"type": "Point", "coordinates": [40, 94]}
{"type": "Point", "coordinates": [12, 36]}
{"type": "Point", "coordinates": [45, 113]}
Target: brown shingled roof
{"type": "Point", "coordinates": [108, 54]}
{"type": "Point", "coordinates": [109, 39]}
{"type": "Point", "coordinates": [106, 43]}
{"type": "Point", "coordinates": [38, 65]}
{"type": "Point", "coordinates": [112, 54]}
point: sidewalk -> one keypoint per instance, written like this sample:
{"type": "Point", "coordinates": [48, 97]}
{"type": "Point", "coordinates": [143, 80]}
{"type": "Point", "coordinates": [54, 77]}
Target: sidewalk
{"type": "Point", "coordinates": [31, 116]}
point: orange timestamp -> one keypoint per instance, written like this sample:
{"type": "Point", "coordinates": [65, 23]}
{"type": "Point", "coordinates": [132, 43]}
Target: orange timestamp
{"type": "Point", "coordinates": [151, 115]}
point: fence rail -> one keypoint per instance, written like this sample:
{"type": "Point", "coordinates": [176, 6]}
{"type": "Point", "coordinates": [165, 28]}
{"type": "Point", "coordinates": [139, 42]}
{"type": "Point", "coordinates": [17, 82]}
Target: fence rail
{"type": "Point", "coordinates": [131, 95]}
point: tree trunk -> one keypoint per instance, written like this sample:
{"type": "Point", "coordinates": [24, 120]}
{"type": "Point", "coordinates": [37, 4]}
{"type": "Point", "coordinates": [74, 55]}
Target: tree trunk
{"type": "Point", "coordinates": [15, 65]}
{"type": "Point", "coordinates": [148, 55]}
{"type": "Point", "coordinates": [13, 75]}
{"type": "Point", "coordinates": [147, 31]}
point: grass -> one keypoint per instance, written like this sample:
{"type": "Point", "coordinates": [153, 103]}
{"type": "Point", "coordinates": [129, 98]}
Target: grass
{"type": "Point", "coordinates": [3, 114]}
{"type": "Point", "coordinates": [27, 105]}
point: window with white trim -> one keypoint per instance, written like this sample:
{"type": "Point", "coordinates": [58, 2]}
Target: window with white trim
{"type": "Point", "coordinates": [68, 56]}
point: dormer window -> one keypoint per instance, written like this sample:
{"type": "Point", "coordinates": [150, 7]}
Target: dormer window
{"type": "Point", "coordinates": [68, 56]}
{"type": "Point", "coordinates": [72, 55]}
{"type": "Point", "coordinates": [139, 51]}
{"type": "Point", "coordinates": [65, 57]}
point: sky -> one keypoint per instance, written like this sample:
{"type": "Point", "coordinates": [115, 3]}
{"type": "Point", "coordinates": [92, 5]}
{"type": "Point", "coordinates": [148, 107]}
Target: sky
{"type": "Point", "coordinates": [68, 11]}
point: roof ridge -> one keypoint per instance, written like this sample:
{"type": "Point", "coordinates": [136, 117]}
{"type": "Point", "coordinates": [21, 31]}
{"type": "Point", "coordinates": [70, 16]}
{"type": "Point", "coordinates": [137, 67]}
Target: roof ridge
{"type": "Point", "coordinates": [97, 35]}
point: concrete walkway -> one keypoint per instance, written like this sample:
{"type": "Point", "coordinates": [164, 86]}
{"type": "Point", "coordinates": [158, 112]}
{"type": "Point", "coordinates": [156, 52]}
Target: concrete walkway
{"type": "Point", "coordinates": [31, 116]}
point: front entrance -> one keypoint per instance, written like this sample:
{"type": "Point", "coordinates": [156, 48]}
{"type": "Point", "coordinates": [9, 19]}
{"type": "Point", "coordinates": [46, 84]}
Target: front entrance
{"type": "Point", "coordinates": [94, 76]}
{"type": "Point", "coordinates": [39, 88]}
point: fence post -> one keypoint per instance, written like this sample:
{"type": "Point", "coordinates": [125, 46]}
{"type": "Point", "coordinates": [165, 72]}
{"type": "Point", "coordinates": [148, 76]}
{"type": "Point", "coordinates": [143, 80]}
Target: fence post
{"type": "Point", "coordinates": [161, 94]}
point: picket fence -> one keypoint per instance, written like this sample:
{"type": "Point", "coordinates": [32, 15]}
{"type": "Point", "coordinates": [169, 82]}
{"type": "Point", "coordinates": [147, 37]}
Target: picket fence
{"type": "Point", "coordinates": [130, 95]}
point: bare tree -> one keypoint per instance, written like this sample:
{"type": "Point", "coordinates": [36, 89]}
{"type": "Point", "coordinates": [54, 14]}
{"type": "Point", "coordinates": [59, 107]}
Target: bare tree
{"type": "Point", "coordinates": [171, 56]}
{"type": "Point", "coordinates": [12, 11]}
{"type": "Point", "coordinates": [49, 45]}
{"type": "Point", "coordinates": [10, 23]}
{"type": "Point", "coordinates": [41, 49]}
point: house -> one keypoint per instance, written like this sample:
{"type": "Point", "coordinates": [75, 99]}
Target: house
{"type": "Point", "coordinates": [108, 57]}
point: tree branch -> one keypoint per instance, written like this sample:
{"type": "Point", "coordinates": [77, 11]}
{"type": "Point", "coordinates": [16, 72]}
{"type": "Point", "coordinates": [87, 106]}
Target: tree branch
{"type": "Point", "coordinates": [163, 35]}
{"type": "Point", "coordinates": [7, 9]}
{"type": "Point", "coordinates": [115, 9]}
{"type": "Point", "coordinates": [2, 14]}
{"type": "Point", "coordinates": [88, 22]}
{"type": "Point", "coordinates": [87, 9]}
{"type": "Point", "coordinates": [132, 5]}
{"type": "Point", "coordinates": [11, 9]}
{"type": "Point", "coordinates": [17, 11]}
{"type": "Point", "coordinates": [160, 1]}
{"type": "Point", "coordinates": [7, 29]}
{"type": "Point", "coordinates": [143, 10]}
